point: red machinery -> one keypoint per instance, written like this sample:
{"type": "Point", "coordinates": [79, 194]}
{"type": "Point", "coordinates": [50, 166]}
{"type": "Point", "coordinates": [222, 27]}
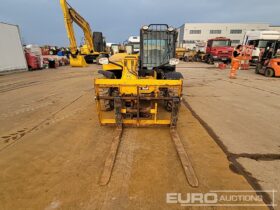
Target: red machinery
{"type": "Point", "coordinates": [218, 49]}
{"type": "Point", "coordinates": [33, 61]}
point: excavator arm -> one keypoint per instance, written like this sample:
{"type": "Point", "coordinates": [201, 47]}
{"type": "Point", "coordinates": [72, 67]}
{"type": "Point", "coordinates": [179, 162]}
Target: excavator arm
{"type": "Point", "coordinates": [70, 16]}
{"type": "Point", "coordinates": [77, 58]}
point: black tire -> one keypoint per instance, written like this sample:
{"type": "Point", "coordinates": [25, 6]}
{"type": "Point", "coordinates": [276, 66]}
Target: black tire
{"type": "Point", "coordinates": [258, 67]}
{"type": "Point", "coordinates": [173, 75]}
{"type": "Point", "coordinates": [90, 58]}
{"type": "Point", "coordinates": [207, 59]}
{"type": "Point", "coordinates": [269, 72]}
{"type": "Point", "coordinates": [198, 59]}
{"type": "Point", "coordinates": [194, 58]}
{"type": "Point", "coordinates": [108, 104]}
{"type": "Point", "coordinates": [211, 59]}
{"type": "Point", "coordinates": [167, 104]}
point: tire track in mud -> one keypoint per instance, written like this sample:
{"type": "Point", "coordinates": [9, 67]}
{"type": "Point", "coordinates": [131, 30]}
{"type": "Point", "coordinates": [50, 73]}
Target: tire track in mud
{"type": "Point", "coordinates": [207, 81]}
{"type": "Point", "coordinates": [26, 109]}
{"type": "Point", "coordinates": [16, 86]}
{"type": "Point", "coordinates": [12, 139]}
{"type": "Point", "coordinates": [256, 88]}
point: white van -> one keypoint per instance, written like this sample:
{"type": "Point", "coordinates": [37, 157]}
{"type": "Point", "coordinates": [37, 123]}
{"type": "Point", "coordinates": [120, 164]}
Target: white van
{"type": "Point", "coordinates": [135, 41]}
{"type": "Point", "coordinates": [259, 39]}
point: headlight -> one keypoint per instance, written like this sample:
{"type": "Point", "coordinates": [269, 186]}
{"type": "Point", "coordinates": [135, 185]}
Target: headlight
{"type": "Point", "coordinates": [170, 29]}
{"type": "Point", "coordinates": [174, 61]}
{"type": "Point", "coordinates": [145, 27]}
{"type": "Point", "coordinates": [104, 61]}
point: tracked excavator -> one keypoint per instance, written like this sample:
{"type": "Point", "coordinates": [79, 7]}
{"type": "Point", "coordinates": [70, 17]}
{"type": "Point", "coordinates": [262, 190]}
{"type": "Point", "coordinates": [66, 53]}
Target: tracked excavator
{"type": "Point", "coordinates": [142, 90]}
{"type": "Point", "coordinates": [94, 46]}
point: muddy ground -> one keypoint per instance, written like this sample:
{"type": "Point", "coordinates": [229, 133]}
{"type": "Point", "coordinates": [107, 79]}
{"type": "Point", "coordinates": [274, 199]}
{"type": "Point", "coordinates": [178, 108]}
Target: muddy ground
{"type": "Point", "coordinates": [52, 150]}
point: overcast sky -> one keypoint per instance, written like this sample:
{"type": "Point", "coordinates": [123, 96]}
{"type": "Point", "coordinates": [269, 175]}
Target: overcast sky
{"type": "Point", "coordinates": [41, 21]}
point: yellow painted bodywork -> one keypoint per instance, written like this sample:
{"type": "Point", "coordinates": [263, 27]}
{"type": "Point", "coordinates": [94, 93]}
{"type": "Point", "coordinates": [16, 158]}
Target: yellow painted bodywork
{"type": "Point", "coordinates": [180, 52]}
{"type": "Point", "coordinates": [145, 86]}
{"type": "Point", "coordinates": [131, 85]}
{"type": "Point", "coordinates": [129, 74]}
{"type": "Point", "coordinates": [78, 61]}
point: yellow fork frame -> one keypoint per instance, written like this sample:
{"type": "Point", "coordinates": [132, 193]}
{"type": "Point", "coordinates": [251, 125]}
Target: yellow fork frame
{"type": "Point", "coordinates": [140, 85]}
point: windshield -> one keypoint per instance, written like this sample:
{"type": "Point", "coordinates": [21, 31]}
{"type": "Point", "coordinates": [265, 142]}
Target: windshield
{"type": "Point", "coordinates": [155, 44]}
{"type": "Point", "coordinates": [157, 51]}
{"type": "Point", "coordinates": [157, 47]}
{"type": "Point", "coordinates": [136, 45]}
{"type": "Point", "coordinates": [262, 43]}
{"type": "Point", "coordinates": [115, 48]}
{"type": "Point", "coordinates": [220, 43]}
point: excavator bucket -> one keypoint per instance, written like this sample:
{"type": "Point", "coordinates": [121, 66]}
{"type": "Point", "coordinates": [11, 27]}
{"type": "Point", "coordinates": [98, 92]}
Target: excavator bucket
{"type": "Point", "coordinates": [78, 61]}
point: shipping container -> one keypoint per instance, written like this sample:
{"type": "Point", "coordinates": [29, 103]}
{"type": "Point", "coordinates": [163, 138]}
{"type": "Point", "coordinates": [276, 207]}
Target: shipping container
{"type": "Point", "coordinates": [11, 51]}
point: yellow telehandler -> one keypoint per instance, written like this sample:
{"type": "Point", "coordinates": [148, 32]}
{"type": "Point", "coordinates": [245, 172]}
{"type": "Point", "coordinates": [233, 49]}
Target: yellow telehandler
{"type": "Point", "coordinates": [142, 90]}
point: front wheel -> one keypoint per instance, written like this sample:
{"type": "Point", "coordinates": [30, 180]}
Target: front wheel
{"type": "Point", "coordinates": [173, 75]}
{"type": "Point", "coordinates": [209, 59]}
{"type": "Point", "coordinates": [269, 72]}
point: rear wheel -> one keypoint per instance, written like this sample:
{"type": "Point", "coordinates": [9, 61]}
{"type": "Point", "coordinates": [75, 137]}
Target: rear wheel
{"type": "Point", "coordinates": [269, 72]}
{"type": "Point", "coordinates": [170, 76]}
{"type": "Point", "coordinates": [167, 104]}
{"type": "Point", "coordinates": [173, 75]}
{"type": "Point", "coordinates": [207, 59]}
{"type": "Point", "coordinates": [210, 59]}
{"type": "Point", "coordinates": [108, 104]}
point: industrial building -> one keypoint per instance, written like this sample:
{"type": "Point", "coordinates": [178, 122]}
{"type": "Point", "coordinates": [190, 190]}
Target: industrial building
{"type": "Point", "coordinates": [196, 34]}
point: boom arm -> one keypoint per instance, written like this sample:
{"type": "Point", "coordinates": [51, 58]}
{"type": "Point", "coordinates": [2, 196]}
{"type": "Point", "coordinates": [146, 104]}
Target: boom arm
{"type": "Point", "coordinates": [70, 16]}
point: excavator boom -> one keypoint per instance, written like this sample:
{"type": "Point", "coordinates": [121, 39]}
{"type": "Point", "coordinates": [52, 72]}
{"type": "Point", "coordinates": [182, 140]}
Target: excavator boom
{"type": "Point", "coordinates": [70, 16]}
{"type": "Point", "coordinates": [69, 27]}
